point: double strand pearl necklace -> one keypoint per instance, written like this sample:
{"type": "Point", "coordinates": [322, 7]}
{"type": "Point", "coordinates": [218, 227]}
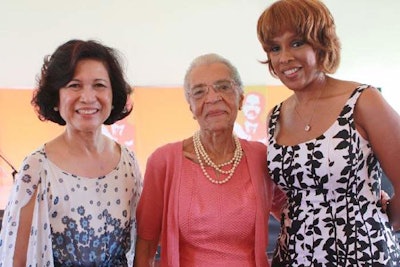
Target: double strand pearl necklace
{"type": "Point", "coordinates": [204, 158]}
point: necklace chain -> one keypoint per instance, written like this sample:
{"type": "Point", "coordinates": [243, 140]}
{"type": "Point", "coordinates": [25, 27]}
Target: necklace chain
{"type": "Point", "coordinates": [307, 128]}
{"type": "Point", "coordinates": [204, 158]}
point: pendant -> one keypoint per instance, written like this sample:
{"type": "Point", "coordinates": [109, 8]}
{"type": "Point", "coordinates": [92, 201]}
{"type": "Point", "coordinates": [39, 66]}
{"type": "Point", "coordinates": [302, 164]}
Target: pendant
{"type": "Point", "coordinates": [307, 128]}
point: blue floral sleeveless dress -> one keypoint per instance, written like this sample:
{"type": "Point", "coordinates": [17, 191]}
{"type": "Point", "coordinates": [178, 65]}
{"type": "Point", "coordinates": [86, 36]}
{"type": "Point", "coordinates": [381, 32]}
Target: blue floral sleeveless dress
{"type": "Point", "coordinates": [333, 216]}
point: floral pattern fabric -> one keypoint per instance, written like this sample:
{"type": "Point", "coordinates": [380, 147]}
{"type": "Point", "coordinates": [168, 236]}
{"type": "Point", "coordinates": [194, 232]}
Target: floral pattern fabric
{"type": "Point", "coordinates": [333, 216]}
{"type": "Point", "coordinates": [77, 221]}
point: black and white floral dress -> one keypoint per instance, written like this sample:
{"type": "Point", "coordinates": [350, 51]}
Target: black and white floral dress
{"type": "Point", "coordinates": [333, 216]}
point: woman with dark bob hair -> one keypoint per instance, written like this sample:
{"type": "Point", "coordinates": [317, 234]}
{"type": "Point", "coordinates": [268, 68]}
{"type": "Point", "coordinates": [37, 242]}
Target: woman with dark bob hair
{"type": "Point", "coordinates": [328, 145]}
{"type": "Point", "coordinates": [74, 199]}
{"type": "Point", "coordinates": [58, 69]}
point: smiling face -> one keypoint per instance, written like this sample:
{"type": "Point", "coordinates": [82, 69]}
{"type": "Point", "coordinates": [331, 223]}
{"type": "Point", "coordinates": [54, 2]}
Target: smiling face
{"type": "Point", "coordinates": [86, 101]}
{"type": "Point", "coordinates": [216, 111]}
{"type": "Point", "coordinates": [252, 107]}
{"type": "Point", "coordinates": [293, 60]}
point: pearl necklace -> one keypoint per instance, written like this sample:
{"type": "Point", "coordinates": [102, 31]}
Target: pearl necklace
{"type": "Point", "coordinates": [203, 156]}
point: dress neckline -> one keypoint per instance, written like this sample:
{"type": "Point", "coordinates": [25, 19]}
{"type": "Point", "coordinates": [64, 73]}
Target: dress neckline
{"type": "Point", "coordinates": [55, 166]}
{"type": "Point", "coordinates": [277, 111]}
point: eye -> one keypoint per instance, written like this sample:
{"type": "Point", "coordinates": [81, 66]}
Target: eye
{"type": "Point", "coordinates": [223, 86]}
{"type": "Point", "coordinates": [274, 48]}
{"type": "Point", "coordinates": [73, 85]}
{"type": "Point", "coordinates": [298, 43]}
{"type": "Point", "coordinates": [100, 85]}
{"type": "Point", "coordinates": [198, 91]}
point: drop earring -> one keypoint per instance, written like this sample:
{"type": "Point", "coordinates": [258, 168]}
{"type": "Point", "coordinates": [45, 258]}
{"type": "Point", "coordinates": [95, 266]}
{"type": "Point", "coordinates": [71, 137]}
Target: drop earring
{"type": "Point", "coordinates": [55, 109]}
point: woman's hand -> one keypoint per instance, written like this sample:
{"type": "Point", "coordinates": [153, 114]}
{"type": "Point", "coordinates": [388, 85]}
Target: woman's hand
{"type": "Point", "coordinates": [385, 200]}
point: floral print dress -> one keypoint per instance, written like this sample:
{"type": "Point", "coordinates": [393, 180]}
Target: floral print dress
{"type": "Point", "coordinates": [77, 221]}
{"type": "Point", "coordinates": [333, 216]}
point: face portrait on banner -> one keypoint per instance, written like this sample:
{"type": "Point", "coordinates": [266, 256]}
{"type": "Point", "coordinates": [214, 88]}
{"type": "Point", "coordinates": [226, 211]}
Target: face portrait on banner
{"type": "Point", "coordinates": [252, 127]}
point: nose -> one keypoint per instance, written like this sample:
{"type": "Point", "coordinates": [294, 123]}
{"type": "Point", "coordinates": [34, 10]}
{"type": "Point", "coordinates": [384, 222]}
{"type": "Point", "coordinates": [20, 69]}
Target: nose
{"type": "Point", "coordinates": [212, 95]}
{"type": "Point", "coordinates": [285, 56]}
{"type": "Point", "coordinates": [88, 94]}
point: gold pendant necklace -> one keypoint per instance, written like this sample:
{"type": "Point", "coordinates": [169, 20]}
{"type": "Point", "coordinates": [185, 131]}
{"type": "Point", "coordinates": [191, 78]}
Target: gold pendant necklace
{"type": "Point", "coordinates": [307, 128]}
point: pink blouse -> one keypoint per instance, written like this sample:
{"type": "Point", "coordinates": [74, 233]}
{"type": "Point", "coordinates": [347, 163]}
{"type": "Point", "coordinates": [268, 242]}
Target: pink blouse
{"type": "Point", "coordinates": [216, 222]}
{"type": "Point", "coordinates": [198, 222]}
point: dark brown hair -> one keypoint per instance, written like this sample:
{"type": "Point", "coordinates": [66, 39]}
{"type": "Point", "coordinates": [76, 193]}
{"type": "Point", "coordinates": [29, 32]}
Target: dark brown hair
{"type": "Point", "coordinates": [58, 69]}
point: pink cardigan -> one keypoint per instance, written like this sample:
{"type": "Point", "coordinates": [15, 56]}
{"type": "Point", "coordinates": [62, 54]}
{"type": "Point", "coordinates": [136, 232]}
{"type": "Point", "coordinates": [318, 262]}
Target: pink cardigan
{"type": "Point", "coordinates": [157, 213]}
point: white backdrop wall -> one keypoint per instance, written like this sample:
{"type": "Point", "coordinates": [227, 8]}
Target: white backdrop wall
{"type": "Point", "coordinates": [159, 38]}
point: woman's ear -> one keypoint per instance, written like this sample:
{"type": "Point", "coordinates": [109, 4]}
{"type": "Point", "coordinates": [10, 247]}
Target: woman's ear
{"type": "Point", "coordinates": [190, 108]}
{"type": "Point", "coordinates": [241, 97]}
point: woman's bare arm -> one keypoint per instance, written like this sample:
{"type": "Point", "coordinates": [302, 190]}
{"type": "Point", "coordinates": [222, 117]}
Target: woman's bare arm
{"type": "Point", "coordinates": [24, 229]}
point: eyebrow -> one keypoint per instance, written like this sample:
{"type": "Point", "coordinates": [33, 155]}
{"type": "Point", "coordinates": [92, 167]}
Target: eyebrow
{"type": "Point", "coordinates": [224, 80]}
{"type": "Point", "coordinates": [217, 81]}
{"type": "Point", "coordinates": [103, 80]}
{"type": "Point", "coordinates": [96, 80]}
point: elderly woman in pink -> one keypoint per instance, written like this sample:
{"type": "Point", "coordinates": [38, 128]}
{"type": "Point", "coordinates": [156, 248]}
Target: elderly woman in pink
{"type": "Point", "coordinates": [206, 199]}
